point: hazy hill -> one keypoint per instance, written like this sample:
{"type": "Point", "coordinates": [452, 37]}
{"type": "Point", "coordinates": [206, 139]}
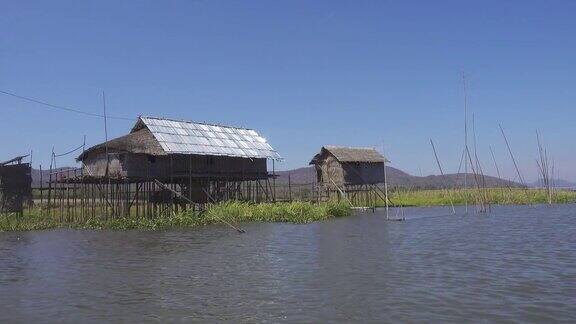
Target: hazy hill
{"type": "Point", "coordinates": [399, 178]}
{"type": "Point", "coordinates": [557, 183]}
{"type": "Point", "coordinates": [45, 175]}
{"type": "Point", "coordinates": [396, 178]}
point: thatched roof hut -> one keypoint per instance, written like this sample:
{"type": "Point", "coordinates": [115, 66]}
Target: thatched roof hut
{"type": "Point", "coordinates": [339, 165]}
{"type": "Point", "coordinates": [139, 142]}
{"type": "Point", "coordinates": [158, 148]}
{"type": "Point", "coordinates": [15, 184]}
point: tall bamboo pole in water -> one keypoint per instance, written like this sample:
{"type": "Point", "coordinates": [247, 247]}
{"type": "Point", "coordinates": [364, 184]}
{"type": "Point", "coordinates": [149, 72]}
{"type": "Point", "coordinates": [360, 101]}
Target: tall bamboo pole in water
{"type": "Point", "coordinates": [544, 168]}
{"type": "Point", "coordinates": [515, 164]}
{"type": "Point", "coordinates": [41, 193]}
{"type": "Point", "coordinates": [50, 182]}
{"type": "Point", "coordinates": [442, 173]}
{"type": "Point", "coordinates": [495, 164]}
{"type": "Point", "coordinates": [498, 171]}
{"type": "Point", "coordinates": [273, 180]}
{"type": "Point", "coordinates": [512, 156]}
{"type": "Point", "coordinates": [385, 181]}
{"type": "Point", "coordinates": [289, 187]}
{"type": "Point", "coordinates": [465, 140]}
{"type": "Point", "coordinates": [106, 150]}
{"type": "Point", "coordinates": [475, 173]}
{"type": "Point", "coordinates": [483, 192]}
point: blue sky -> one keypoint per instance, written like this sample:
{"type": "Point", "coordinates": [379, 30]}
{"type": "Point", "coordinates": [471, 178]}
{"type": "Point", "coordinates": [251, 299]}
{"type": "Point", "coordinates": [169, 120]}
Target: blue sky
{"type": "Point", "coordinates": [303, 73]}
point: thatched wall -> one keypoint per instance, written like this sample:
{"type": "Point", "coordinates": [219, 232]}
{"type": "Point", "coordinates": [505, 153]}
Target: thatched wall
{"type": "Point", "coordinates": [15, 186]}
{"type": "Point", "coordinates": [356, 173]}
{"type": "Point", "coordinates": [160, 167]}
{"type": "Point", "coordinates": [138, 142]}
{"type": "Point", "coordinates": [342, 167]}
{"type": "Point", "coordinates": [329, 171]}
{"type": "Point", "coordinates": [95, 165]}
{"type": "Point", "coordinates": [139, 155]}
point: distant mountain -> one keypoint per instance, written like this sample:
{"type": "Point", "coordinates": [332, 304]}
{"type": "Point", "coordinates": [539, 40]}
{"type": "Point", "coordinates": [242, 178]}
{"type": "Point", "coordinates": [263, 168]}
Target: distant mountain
{"type": "Point", "coordinates": [457, 181]}
{"type": "Point", "coordinates": [557, 183]}
{"type": "Point", "coordinates": [399, 178]}
{"type": "Point", "coordinates": [45, 175]}
{"type": "Point", "coordinates": [396, 178]}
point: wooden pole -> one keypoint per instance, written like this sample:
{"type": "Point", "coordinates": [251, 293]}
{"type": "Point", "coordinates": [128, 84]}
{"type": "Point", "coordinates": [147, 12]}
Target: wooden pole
{"type": "Point", "coordinates": [107, 172]}
{"type": "Point", "coordinates": [515, 164]}
{"type": "Point", "coordinates": [385, 182]}
{"type": "Point", "coordinates": [190, 181]}
{"type": "Point", "coordinates": [41, 192]}
{"type": "Point", "coordinates": [474, 171]}
{"type": "Point", "coordinates": [544, 168]}
{"type": "Point", "coordinates": [512, 155]}
{"type": "Point", "coordinates": [50, 181]}
{"type": "Point", "coordinates": [239, 230]}
{"type": "Point", "coordinates": [442, 173]}
{"type": "Point", "coordinates": [289, 188]}
{"type": "Point", "coordinates": [465, 140]}
{"type": "Point", "coordinates": [273, 181]}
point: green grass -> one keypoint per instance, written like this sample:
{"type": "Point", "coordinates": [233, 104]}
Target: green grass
{"type": "Point", "coordinates": [501, 196]}
{"type": "Point", "coordinates": [231, 212]}
{"type": "Point", "coordinates": [294, 212]}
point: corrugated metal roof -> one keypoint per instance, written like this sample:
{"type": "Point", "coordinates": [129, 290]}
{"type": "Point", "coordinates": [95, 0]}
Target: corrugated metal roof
{"type": "Point", "coordinates": [185, 137]}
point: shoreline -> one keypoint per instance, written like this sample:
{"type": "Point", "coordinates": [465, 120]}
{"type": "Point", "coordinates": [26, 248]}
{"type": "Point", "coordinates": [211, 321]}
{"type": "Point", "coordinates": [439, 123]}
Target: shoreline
{"type": "Point", "coordinates": [459, 197]}
{"type": "Point", "coordinates": [222, 213]}
{"type": "Point", "coordinates": [296, 212]}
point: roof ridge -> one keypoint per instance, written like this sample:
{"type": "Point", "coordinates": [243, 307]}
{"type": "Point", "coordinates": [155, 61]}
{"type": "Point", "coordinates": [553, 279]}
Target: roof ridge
{"type": "Point", "coordinates": [196, 122]}
{"type": "Point", "coordinates": [353, 154]}
{"type": "Point", "coordinates": [351, 147]}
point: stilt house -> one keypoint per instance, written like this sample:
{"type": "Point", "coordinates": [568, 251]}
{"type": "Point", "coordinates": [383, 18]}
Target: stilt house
{"type": "Point", "coordinates": [15, 185]}
{"type": "Point", "coordinates": [338, 166]}
{"type": "Point", "coordinates": [196, 156]}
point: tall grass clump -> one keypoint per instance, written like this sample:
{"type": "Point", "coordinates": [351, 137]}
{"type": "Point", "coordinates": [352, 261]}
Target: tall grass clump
{"type": "Point", "coordinates": [297, 212]}
{"type": "Point", "coordinates": [29, 222]}
{"type": "Point", "coordinates": [338, 209]}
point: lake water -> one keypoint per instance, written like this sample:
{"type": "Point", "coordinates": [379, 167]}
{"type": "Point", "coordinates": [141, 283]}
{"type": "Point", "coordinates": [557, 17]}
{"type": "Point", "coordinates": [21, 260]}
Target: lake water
{"type": "Point", "coordinates": [517, 263]}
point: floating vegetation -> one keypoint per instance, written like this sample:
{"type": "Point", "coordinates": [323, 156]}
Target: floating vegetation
{"type": "Point", "coordinates": [231, 212]}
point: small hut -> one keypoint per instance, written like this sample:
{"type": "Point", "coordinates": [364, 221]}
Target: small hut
{"type": "Point", "coordinates": [338, 165]}
{"type": "Point", "coordinates": [350, 171]}
{"type": "Point", "coordinates": [15, 185]}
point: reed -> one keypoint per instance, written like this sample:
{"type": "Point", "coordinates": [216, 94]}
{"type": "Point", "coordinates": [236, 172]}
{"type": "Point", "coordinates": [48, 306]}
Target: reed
{"type": "Point", "coordinates": [544, 168]}
{"type": "Point", "coordinates": [294, 212]}
{"type": "Point", "coordinates": [499, 196]}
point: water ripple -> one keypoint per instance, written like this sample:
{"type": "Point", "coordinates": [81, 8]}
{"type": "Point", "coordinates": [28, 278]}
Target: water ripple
{"type": "Point", "coordinates": [517, 264]}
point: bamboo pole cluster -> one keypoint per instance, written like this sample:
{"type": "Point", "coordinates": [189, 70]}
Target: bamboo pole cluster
{"type": "Point", "coordinates": [545, 169]}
